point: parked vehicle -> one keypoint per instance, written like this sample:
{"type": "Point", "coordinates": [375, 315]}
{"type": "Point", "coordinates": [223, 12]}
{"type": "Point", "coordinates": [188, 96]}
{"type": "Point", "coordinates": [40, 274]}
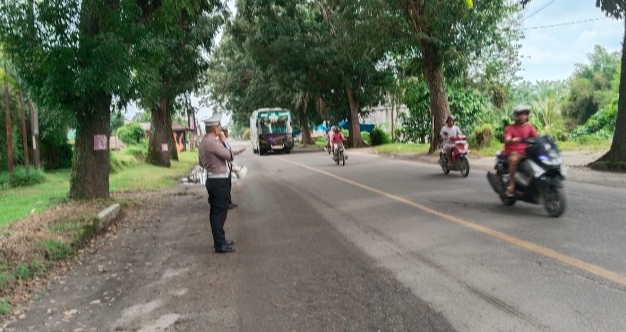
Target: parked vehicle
{"type": "Point", "coordinates": [459, 156]}
{"type": "Point", "coordinates": [539, 178]}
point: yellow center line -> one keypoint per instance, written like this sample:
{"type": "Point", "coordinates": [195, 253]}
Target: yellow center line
{"type": "Point", "coordinates": [593, 269]}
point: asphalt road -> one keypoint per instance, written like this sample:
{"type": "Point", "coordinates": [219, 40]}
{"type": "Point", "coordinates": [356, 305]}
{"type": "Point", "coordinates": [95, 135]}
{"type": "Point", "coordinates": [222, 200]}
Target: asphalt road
{"type": "Point", "coordinates": [376, 245]}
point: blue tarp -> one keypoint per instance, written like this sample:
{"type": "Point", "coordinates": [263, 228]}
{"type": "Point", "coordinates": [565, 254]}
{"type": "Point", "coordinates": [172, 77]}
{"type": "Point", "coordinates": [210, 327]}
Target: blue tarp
{"type": "Point", "coordinates": [362, 126]}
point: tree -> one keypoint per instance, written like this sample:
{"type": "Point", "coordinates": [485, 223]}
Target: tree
{"type": "Point", "coordinates": [302, 54]}
{"type": "Point", "coordinates": [446, 33]}
{"type": "Point", "coordinates": [183, 32]}
{"type": "Point", "coordinates": [73, 56]}
{"type": "Point", "coordinates": [617, 153]}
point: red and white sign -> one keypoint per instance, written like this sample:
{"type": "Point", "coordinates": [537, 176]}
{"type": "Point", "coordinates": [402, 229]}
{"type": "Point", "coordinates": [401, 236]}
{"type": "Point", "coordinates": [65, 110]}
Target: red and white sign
{"type": "Point", "coordinates": [100, 142]}
{"type": "Point", "coordinates": [164, 147]}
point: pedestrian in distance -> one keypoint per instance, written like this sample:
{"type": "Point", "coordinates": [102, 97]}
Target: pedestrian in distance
{"type": "Point", "coordinates": [213, 157]}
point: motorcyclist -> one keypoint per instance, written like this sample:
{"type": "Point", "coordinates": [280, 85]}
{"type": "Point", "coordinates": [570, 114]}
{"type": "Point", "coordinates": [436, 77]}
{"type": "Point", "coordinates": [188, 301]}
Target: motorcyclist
{"type": "Point", "coordinates": [514, 149]}
{"type": "Point", "coordinates": [447, 132]}
{"type": "Point", "coordinates": [329, 139]}
{"type": "Point", "coordinates": [336, 138]}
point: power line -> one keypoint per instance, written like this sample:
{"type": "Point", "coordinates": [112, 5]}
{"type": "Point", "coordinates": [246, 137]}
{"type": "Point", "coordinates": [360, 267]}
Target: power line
{"type": "Point", "coordinates": [540, 9]}
{"type": "Point", "coordinates": [567, 23]}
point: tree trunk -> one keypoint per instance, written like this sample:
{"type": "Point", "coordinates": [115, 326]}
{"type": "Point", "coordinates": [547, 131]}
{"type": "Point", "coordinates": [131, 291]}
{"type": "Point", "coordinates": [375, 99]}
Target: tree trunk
{"type": "Point", "coordinates": [158, 147]}
{"type": "Point", "coordinates": [8, 125]}
{"type": "Point", "coordinates": [306, 132]}
{"type": "Point", "coordinates": [439, 107]}
{"type": "Point", "coordinates": [355, 139]}
{"type": "Point", "coordinates": [91, 162]}
{"type": "Point", "coordinates": [171, 141]}
{"type": "Point", "coordinates": [24, 134]}
{"type": "Point", "coordinates": [617, 153]}
{"type": "Point", "coordinates": [34, 129]}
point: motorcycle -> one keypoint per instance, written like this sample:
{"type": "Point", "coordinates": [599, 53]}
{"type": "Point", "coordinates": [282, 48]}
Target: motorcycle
{"type": "Point", "coordinates": [539, 178]}
{"type": "Point", "coordinates": [339, 156]}
{"type": "Point", "coordinates": [460, 151]}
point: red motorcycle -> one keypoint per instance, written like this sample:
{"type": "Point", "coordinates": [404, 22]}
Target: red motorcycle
{"type": "Point", "coordinates": [460, 151]}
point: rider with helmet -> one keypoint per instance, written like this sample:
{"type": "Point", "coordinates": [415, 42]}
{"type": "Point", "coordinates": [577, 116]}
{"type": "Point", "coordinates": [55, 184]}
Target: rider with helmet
{"type": "Point", "coordinates": [336, 138]}
{"type": "Point", "coordinates": [514, 149]}
{"type": "Point", "coordinates": [447, 132]}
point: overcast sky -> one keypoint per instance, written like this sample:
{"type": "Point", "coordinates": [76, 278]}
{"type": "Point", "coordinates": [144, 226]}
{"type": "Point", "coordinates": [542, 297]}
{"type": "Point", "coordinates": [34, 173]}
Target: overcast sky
{"type": "Point", "coordinates": [548, 53]}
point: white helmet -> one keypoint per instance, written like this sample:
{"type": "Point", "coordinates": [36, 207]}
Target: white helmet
{"type": "Point", "coordinates": [520, 109]}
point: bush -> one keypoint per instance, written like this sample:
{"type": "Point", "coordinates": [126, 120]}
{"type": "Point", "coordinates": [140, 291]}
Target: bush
{"type": "Point", "coordinates": [483, 135]}
{"type": "Point", "coordinates": [379, 137]}
{"type": "Point", "coordinates": [131, 133]}
{"type": "Point", "coordinates": [57, 156]}
{"type": "Point", "coordinates": [139, 151]}
{"type": "Point", "coordinates": [558, 134]}
{"type": "Point", "coordinates": [21, 179]}
{"type": "Point", "coordinates": [600, 125]}
{"type": "Point", "coordinates": [366, 137]}
{"type": "Point", "coordinates": [246, 134]}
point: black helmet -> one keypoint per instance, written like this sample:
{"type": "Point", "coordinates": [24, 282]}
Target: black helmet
{"type": "Point", "coordinates": [450, 117]}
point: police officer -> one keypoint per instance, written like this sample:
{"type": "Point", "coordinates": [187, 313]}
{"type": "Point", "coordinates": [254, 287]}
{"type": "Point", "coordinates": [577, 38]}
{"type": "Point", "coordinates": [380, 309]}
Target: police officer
{"type": "Point", "coordinates": [213, 158]}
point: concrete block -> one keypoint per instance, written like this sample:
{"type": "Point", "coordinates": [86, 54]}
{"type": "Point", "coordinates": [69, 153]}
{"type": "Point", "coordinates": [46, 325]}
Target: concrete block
{"type": "Point", "coordinates": [107, 216]}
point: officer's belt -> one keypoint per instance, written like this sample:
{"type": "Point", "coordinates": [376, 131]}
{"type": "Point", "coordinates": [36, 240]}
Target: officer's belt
{"type": "Point", "coordinates": [218, 175]}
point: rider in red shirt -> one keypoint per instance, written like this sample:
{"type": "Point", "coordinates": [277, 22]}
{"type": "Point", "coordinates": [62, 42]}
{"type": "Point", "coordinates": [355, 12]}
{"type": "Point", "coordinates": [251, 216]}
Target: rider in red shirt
{"type": "Point", "coordinates": [514, 149]}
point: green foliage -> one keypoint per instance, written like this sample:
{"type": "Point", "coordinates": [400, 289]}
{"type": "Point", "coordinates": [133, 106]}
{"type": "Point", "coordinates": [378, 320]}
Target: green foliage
{"type": "Point", "coordinates": [20, 178]}
{"type": "Point", "coordinates": [482, 136]}
{"type": "Point", "coordinates": [379, 137]}
{"type": "Point", "coordinates": [120, 161]}
{"type": "Point", "coordinates": [131, 133]}
{"type": "Point", "coordinates": [142, 117]}
{"type": "Point", "coordinates": [591, 85]}
{"type": "Point", "coordinates": [57, 156]}
{"type": "Point", "coordinates": [468, 106]}
{"type": "Point", "coordinates": [366, 137]}
{"type": "Point", "coordinates": [600, 126]}
{"type": "Point", "coordinates": [117, 120]}
{"type": "Point", "coordinates": [499, 127]}
{"type": "Point", "coordinates": [5, 306]}
{"type": "Point", "coordinates": [23, 272]}
{"type": "Point", "coordinates": [56, 250]}
{"type": "Point", "coordinates": [139, 151]}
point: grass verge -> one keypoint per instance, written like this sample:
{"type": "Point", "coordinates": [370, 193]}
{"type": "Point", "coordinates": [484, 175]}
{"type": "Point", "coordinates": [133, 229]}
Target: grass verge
{"type": "Point", "coordinates": [18, 203]}
{"type": "Point", "coordinates": [401, 148]}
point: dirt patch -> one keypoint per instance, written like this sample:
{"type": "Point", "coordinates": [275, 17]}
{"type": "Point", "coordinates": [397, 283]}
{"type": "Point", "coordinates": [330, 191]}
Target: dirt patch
{"type": "Point", "coordinates": [45, 247]}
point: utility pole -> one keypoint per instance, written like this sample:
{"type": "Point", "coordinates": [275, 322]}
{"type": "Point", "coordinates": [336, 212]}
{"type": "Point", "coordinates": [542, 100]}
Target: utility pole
{"type": "Point", "coordinates": [34, 132]}
{"type": "Point", "coordinates": [24, 134]}
{"type": "Point", "coordinates": [8, 122]}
